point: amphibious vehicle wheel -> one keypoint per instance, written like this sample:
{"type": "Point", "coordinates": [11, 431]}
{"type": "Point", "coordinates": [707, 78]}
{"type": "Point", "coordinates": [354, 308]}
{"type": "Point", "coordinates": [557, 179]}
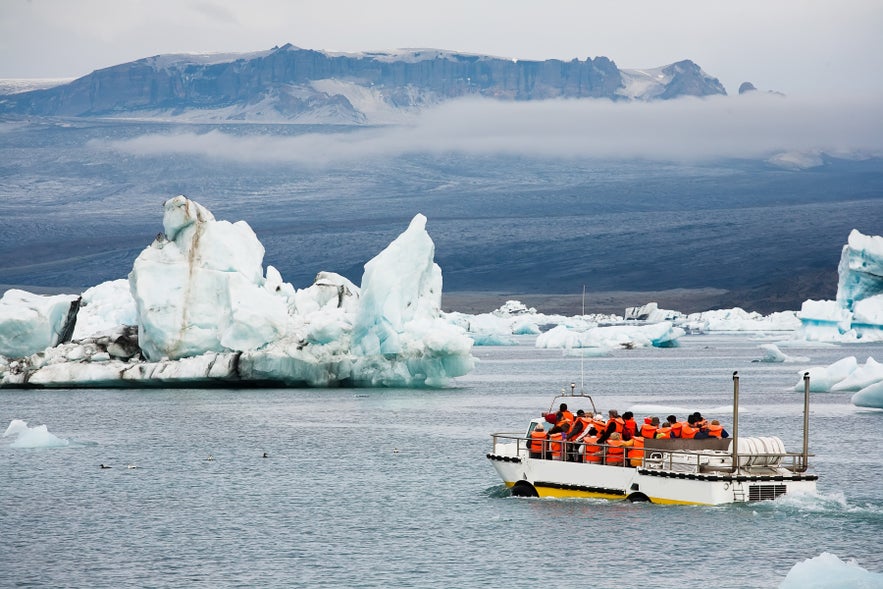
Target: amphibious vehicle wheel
{"type": "Point", "coordinates": [524, 489]}
{"type": "Point", "coordinates": [638, 498]}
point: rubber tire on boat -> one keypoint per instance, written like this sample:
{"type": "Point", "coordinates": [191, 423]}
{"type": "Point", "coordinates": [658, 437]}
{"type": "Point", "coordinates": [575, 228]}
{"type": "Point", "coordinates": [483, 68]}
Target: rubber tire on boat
{"type": "Point", "coordinates": [524, 489]}
{"type": "Point", "coordinates": [638, 497]}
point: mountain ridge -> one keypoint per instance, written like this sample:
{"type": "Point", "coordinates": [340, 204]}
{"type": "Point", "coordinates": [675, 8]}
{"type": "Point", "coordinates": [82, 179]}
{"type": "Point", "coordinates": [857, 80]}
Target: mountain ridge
{"type": "Point", "coordinates": [290, 84]}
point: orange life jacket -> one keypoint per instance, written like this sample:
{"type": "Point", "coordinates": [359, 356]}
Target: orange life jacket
{"type": "Point", "coordinates": [563, 416]}
{"type": "Point", "coordinates": [580, 426]}
{"type": "Point", "coordinates": [630, 427]}
{"type": "Point", "coordinates": [615, 452]}
{"type": "Point", "coordinates": [636, 451]}
{"type": "Point", "coordinates": [600, 425]}
{"type": "Point", "coordinates": [537, 437]}
{"type": "Point", "coordinates": [649, 431]}
{"type": "Point", "coordinates": [591, 451]}
{"type": "Point", "coordinates": [663, 433]}
{"type": "Point", "coordinates": [676, 429]}
{"type": "Point", "coordinates": [557, 446]}
{"type": "Point", "coordinates": [620, 424]}
{"type": "Point", "coordinates": [688, 432]}
{"type": "Point", "coordinates": [715, 431]}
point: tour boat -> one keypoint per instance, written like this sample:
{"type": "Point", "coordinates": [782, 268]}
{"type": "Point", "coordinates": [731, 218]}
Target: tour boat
{"type": "Point", "coordinates": [669, 471]}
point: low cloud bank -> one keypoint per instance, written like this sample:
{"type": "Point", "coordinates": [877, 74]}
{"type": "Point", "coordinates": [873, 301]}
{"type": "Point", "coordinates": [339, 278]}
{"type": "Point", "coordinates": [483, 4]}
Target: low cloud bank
{"type": "Point", "coordinates": [756, 126]}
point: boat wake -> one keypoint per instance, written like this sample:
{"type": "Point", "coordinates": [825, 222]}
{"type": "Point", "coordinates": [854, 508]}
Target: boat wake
{"type": "Point", "coordinates": [497, 492]}
{"type": "Point", "coordinates": [821, 503]}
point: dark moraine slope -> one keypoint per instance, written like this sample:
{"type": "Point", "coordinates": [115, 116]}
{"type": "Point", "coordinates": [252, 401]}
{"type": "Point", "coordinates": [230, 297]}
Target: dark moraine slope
{"type": "Point", "coordinates": [71, 216]}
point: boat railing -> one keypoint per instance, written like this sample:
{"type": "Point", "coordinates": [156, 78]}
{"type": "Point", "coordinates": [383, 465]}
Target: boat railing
{"type": "Point", "coordinates": [507, 438]}
{"type": "Point", "coordinates": [692, 460]}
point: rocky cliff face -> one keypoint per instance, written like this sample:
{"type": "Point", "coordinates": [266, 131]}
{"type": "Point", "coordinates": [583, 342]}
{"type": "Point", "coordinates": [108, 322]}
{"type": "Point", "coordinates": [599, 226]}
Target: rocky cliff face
{"type": "Point", "coordinates": [288, 83]}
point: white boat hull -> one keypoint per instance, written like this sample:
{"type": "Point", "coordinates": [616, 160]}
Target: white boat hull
{"type": "Point", "coordinates": [554, 478]}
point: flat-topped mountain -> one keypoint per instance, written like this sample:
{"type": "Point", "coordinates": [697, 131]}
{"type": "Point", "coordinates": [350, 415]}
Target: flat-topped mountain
{"type": "Point", "coordinates": [289, 84]}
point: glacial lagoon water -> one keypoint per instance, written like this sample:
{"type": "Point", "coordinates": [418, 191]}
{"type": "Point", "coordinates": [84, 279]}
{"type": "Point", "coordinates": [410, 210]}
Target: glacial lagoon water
{"type": "Point", "coordinates": [391, 488]}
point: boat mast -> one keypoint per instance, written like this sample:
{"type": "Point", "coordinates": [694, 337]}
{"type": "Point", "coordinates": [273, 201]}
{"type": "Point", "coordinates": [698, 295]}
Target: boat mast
{"type": "Point", "coordinates": [735, 421]}
{"type": "Point", "coordinates": [805, 464]}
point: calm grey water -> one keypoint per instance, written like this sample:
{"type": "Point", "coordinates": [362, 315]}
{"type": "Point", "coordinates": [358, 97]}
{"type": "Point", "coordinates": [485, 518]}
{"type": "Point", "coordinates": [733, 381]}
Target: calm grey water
{"type": "Point", "coordinates": [391, 488]}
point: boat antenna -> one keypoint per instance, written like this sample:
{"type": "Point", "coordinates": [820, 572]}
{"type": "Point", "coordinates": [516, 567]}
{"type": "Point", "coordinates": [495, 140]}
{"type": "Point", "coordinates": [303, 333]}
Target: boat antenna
{"type": "Point", "coordinates": [582, 356]}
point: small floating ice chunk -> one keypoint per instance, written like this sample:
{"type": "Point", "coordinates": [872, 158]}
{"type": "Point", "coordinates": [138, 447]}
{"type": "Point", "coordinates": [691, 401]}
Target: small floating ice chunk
{"type": "Point", "coordinates": [32, 437]}
{"type": "Point", "coordinates": [829, 572]}
{"type": "Point", "coordinates": [773, 354]}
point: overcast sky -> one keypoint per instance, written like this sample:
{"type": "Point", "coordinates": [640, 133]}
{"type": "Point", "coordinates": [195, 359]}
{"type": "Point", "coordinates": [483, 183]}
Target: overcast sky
{"type": "Point", "coordinates": [800, 47]}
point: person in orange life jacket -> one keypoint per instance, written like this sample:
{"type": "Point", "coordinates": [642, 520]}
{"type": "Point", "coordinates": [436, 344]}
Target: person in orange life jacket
{"type": "Point", "coordinates": [699, 422]}
{"type": "Point", "coordinates": [614, 424]}
{"type": "Point", "coordinates": [578, 429]}
{"type": "Point", "coordinates": [615, 452]}
{"type": "Point", "coordinates": [563, 415]}
{"type": "Point", "coordinates": [649, 427]}
{"type": "Point", "coordinates": [664, 431]}
{"type": "Point", "coordinates": [630, 426]}
{"type": "Point", "coordinates": [675, 426]}
{"type": "Point", "coordinates": [690, 429]}
{"type": "Point", "coordinates": [580, 425]}
{"type": "Point", "coordinates": [599, 423]}
{"type": "Point", "coordinates": [591, 449]}
{"type": "Point", "coordinates": [537, 441]}
{"type": "Point", "coordinates": [557, 437]}
{"type": "Point", "coordinates": [713, 430]}
{"type": "Point", "coordinates": [636, 450]}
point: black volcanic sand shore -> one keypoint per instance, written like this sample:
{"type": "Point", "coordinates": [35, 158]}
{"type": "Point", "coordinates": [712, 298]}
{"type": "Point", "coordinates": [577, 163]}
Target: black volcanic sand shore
{"type": "Point", "coordinates": [684, 300]}
{"type": "Point", "coordinates": [612, 302]}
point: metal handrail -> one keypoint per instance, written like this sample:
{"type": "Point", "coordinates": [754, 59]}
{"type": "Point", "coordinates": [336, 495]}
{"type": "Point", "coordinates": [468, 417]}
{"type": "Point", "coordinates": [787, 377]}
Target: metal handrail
{"type": "Point", "coordinates": [793, 461]}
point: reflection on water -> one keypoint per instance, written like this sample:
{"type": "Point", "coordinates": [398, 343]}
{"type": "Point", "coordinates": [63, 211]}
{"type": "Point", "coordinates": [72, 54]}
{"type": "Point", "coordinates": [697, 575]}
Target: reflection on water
{"type": "Point", "coordinates": [391, 488]}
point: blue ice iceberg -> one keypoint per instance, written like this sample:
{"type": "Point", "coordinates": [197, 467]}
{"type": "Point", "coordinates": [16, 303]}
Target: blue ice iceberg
{"type": "Point", "coordinates": [857, 312]}
{"type": "Point", "coordinates": [205, 312]}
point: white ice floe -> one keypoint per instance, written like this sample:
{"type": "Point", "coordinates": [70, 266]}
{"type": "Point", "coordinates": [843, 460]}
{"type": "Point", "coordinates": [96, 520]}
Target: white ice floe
{"type": "Point", "coordinates": [658, 335]}
{"type": "Point", "coordinates": [847, 374]}
{"type": "Point", "coordinates": [32, 437]}
{"type": "Point", "coordinates": [827, 571]}
{"type": "Point", "coordinates": [514, 318]}
{"type": "Point", "coordinates": [773, 354]}
{"type": "Point", "coordinates": [737, 319]}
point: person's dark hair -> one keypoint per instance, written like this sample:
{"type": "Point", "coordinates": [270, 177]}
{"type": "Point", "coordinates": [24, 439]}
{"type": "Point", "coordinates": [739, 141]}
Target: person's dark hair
{"type": "Point", "coordinates": [562, 407]}
{"type": "Point", "coordinates": [628, 415]}
{"type": "Point", "coordinates": [692, 419]}
{"type": "Point", "coordinates": [671, 419]}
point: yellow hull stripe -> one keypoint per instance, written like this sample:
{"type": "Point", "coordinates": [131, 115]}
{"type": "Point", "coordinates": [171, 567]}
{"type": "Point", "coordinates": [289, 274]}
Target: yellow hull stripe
{"type": "Point", "coordinates": [576, 494]}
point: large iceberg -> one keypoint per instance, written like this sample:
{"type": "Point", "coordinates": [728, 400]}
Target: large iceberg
{"type": "Point", "coordinates": [199, 288]}
{"type": "Point", "coordinates": [198, 308]}
{"type": "Point", "coordinates": [857, 312]}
